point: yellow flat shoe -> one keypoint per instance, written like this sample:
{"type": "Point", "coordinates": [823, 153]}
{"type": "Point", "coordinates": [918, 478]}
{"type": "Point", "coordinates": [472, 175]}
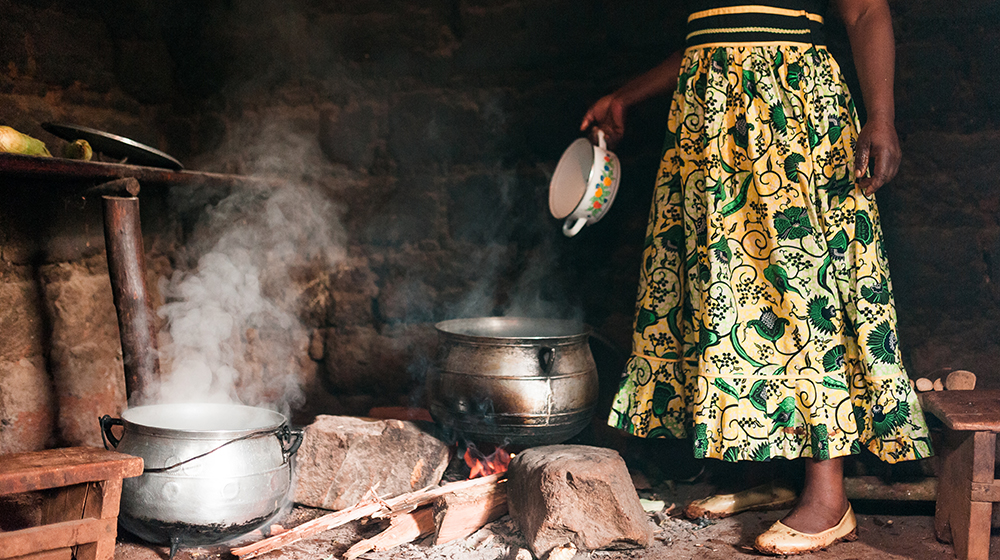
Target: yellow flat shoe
{"type": "Point", "coordinates": [782, 540]}
{"type": "Point", "coordinates": [764, 497]}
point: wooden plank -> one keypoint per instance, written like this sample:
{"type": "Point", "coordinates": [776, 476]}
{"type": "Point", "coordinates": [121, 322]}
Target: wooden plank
{"type": "Point", "coordinates": [403, 528]}
{"type": "Point", "coordinates": [103, 504]}
{"type": "Point", "coordinates": [984, 446]}
{"type": "Point", "coordinates": [58, 554]}
{"type": "Point", "coordinates": [980, 512]}
{"type": "Point", "coordinates": [65, 172]}
{"type": "Point", "coordinates": [458, 515]}
{"type": "Point", "coordinates": [986, 491]}
{"type": "Point", "coordinates": [54, 536]}
{"type": "Point", "coordinates": [65, 504]}
{"type": "Point", "coordinates": [955, 471]}
{"type": "Point", "coordinates": [971, 411]}
{"type": "Point", "coordinates": [52, 468]}
{"type": "Point", "coordinates": [389, 508]}
{"type": "Point", "coordinates": [874, 488]}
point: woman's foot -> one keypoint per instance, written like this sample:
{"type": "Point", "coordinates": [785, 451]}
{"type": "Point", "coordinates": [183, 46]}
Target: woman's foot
{"type": "Point", "coordinates": [823, 501]}
{"type": "Point", "coordinates": [821, 517]}
{"type": "Point", "coordinates": [783, 540]}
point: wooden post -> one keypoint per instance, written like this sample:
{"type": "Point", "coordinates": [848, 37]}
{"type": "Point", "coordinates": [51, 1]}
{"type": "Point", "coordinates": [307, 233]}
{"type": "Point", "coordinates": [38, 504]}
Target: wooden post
{"type": "Point", "coordinates": [127, 269]}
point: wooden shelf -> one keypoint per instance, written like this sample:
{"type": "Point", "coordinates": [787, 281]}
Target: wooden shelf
{"type": "Point", "coordinates": [88, 173]}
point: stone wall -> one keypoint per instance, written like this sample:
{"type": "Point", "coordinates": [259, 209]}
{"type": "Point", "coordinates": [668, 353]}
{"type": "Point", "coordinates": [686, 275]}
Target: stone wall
{"type": "Point", "coordinates": [433, 127]}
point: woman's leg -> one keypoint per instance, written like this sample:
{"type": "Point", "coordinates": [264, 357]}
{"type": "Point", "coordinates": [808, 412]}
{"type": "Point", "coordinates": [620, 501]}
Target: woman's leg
{"type": "Point", "coordinates": [822, 503]}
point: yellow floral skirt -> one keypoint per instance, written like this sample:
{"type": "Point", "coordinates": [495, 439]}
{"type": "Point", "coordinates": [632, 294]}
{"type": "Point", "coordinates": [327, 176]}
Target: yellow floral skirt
{"type": "Point", "coordinates": [765, 323]}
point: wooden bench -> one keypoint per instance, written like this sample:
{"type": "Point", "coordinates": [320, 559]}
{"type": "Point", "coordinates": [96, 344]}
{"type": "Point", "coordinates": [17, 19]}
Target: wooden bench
{"type": "Point", "coordinates": [80, 488]}
{"type": "Point", "coordinates": [967, 489]}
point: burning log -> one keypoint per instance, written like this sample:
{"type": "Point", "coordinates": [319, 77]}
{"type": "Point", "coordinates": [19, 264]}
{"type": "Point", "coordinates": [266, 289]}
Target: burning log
{"type": "Point", "coordinates": [483, 465]}
{"type": "Point", "coordinates": [401, 530]}
{"type": "Point", "coordinates": [413, 500]}
{"type": "Point", "coordinates": [378, 509]}
{"type": "Point", "coordinates": [462, 513]}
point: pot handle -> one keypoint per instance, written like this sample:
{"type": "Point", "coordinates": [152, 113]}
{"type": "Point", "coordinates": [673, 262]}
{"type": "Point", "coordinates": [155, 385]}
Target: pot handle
{"type": "Point", "coordinates": [290, 442]}
{"type": "Point", "coordinates": [106, 423]}
{"type": "Point", "coordinates": [570, 229]}
{"type": "Point", "coordinates": [546, 357]}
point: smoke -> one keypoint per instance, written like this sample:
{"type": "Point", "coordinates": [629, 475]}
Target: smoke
{"type": "Point", "coordinates": [232, 329]}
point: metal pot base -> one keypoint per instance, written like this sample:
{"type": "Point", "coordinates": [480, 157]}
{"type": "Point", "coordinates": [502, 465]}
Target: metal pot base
{"type": "Point", "coordinates": [186, 534]}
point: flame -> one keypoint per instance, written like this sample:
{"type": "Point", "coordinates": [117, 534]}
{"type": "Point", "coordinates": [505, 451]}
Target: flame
{"type": "Point", "coordinates": [484, 465]}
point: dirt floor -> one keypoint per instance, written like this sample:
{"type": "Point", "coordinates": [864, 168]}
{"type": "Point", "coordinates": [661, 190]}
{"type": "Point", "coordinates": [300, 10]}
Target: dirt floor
{"type": "Point", "coordinates": [661, 470]}
{"type": "Point", "coordinates": [886, 531]}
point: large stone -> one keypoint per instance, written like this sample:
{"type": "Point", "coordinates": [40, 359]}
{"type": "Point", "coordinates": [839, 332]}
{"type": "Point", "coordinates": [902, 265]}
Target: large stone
{"type": "Point", "coordinates": [26, 405]}
{"type": "Point", "coordinates": [575, 494]}
{"type": "Point", "coordinates": [344, 457]}
{"type": "Point", "coordinates": [85, 357]}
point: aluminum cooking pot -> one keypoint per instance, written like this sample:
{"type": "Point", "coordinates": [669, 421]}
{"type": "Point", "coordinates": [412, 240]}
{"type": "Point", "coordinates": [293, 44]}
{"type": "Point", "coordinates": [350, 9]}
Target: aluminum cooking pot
{"type": "Point", "coordinates": [512, 379]}
{"type": "Point", "coordinates": [212, 471]}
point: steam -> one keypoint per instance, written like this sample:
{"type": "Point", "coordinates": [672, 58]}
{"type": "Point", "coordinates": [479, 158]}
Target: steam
{"type": "Point", "coordinates": [232, 329]}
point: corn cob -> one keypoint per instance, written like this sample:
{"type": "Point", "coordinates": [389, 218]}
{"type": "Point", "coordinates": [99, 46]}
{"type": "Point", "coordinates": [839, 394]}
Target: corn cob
{"type": "Point", "coordinates": [17, 143]}
{"type": "Point", "coordinates": [78, 150]}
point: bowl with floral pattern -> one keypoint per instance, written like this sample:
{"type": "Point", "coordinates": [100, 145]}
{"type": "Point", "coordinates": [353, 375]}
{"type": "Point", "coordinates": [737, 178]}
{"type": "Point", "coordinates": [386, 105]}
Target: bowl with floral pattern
{"type": "Point", "coordinates": [584, 184]}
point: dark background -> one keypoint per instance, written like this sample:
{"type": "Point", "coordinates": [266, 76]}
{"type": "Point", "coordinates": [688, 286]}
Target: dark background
{"type": "Point", "coordinates": [434, 126]}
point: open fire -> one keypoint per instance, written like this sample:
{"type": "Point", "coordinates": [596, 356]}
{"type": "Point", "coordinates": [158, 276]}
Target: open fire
{"type": "Point", "coordinates": [485, 465]}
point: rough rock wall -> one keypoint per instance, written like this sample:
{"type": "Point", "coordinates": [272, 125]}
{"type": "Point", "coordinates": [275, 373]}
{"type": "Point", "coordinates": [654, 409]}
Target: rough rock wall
{"type": "Point", "coordinates": [433, 126]}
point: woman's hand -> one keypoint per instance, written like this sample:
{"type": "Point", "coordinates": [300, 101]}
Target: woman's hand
{"type": "Point", "coordinates": [877, 155]}
{"type": "Point", "coordinates": [608, 114]}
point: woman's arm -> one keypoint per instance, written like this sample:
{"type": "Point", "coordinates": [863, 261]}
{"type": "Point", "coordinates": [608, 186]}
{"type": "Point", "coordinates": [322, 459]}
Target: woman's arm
{"type": "Point", "coordinates": [869, 28]}
{"type": "Point", "coordinates": [608, 114]}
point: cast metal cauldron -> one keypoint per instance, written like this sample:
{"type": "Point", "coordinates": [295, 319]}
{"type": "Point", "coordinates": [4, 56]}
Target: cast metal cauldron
{"type": "Point", "coordinates": [512, 379]}
{"type": "Point", "coordinates": [212, 471]}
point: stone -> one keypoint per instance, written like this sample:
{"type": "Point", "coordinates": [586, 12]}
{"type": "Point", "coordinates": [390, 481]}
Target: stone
{"type": "Point", "coordinates": [316, 344]}
{"type": "Point", "coordinates": [960, 380]}
{"type": "Point", "coordinates": [576, 495]}
{"type": "Point", "coordinates": [342, 458]}
{"type": "Point", "coordinates": [21, 322]}
{"type": "Point", "coordinates": [366, 360]}
{"type": "Point", "coordinates": [85, 358]}
{"type": "Point", "coordinates": [348, 136]}
{"type": "Point", "coordinates": [27, 409]}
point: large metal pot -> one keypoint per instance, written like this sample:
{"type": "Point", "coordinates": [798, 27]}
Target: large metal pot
{"type": "Point", "coordinates": [511, 379]}
{"type": "Point", "coordinates": [212, 471]}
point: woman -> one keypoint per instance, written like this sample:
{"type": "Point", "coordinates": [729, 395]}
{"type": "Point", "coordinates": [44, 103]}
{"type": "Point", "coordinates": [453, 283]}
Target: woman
{"type": "Point", "coordinates": [765, 324]}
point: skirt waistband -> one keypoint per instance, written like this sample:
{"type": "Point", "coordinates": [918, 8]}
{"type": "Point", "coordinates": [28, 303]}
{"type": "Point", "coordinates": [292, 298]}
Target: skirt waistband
{"type": "Point", "coordinates": [754, 24]}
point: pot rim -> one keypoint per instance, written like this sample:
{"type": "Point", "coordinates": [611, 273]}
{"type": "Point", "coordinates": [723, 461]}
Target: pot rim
{"type": "Point", "coordinates": [509, 330]}
{"type": "Point", "coordinates": [150, 421]}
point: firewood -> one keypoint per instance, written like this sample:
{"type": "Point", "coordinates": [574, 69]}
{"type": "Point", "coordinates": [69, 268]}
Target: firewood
{"type": "Point", "coordinates": [401, 504]}
{"type": "Point", "coordinates": [924, 385]}
{"type": "Point", "coordinates": [938, 384]}
{"type": "Point", "coordinates": [960, 380]}
{"type": "Point", "coordinates": [402, 529]}
{"type": "Point", "coordinates": [566, 552]}
{"type": "Point", "coordinates": [460, 514]}
{"type": "Point", "coordinates": [307, 529]}
{"type": "Point", "coordinates": [413, 500]}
